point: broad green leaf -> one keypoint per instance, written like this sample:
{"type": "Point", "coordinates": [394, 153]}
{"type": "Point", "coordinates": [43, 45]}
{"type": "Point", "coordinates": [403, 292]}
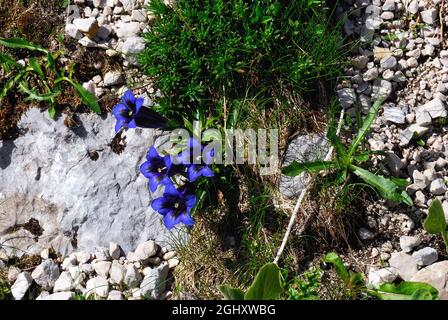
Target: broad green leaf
{"type": "Point", "coordinates": [406, 291]}
{"type": "Point", "coordinates": [18, 43]}
{"type": "Point", "coordinates": [230, 293]}
{"type": "Point", "coordinates": [87, 98]}
{"type": "Point", "coordinates": [295, 168]}
{"type": "Point", "coordinates": [435, 221]}
{"type": "Point", "coordinates": [336, 142]}
{"type": "Point", "coordinates": [365, 127]}
{"type": "Point", "coordinates": [362, 157]}
{"type": "Point", "coordinates": [385, 187]}
{"type": "Point", "coordinates": [267, 284]}
{"type": "Point", "coordinates": [34, 64]}
{"type": "Point", "coordinates": [336, 261]}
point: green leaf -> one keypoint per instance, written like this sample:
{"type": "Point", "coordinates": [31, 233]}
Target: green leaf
{"type": "Point", "coordinates": [336, 261]}
{"type": "Point", "coordinates": [406, 291]}
{"type": "Point", "coordinates": [362, 157]}
{"type": "Point", "coordinates": [52, 111]}
{"type": "Point", "coordinates": [36, 67]}
{"type": "Point", "coordinates": [18, 43]}
{"type": "Point", "coordinates": [435, 221]}
{"type": "Point", "coordinates": [336, 142]}
{"type": "Point", "coordinates": [87, 98]}
{"type": "Point", "coordinates": [295, 168]}
{"type": "Point", "coordinates": [11, 83]}
{"type": "Point", "coordinates": [365, 126]}
{"type": "Point", "coordinates": [34, 95]}
{"type": "Point", "coordinates": [8, 62]}
{"type": "Point", "coordinates": [386, 187]}
{"type": "Point", "coordinates": [267, 284]}
{"type": "Point", "coordinates": [230, 293]}
{"type": "Point", "coordinates": [51, 62]}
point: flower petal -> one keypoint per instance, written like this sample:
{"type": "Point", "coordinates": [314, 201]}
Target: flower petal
{"type": "Point", "coordinates": [160, 205]}
{"type": "Point", "coordinates": [169, 220]}
{"type": "Point", "coordinates": [186, 219]}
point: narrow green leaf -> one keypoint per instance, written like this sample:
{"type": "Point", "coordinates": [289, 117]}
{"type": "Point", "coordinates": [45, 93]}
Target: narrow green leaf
{"type": "Point", "coordinates": [435, 221]}
{"type": "Point", "coordinates": [87, 98]}
{"type": "Point", "coordinates": [365, 127]}
{"type": "Point", "coordinates": [386, 187]}
{"type": "Point", "coordinates": [8, 62]}
{"type": "Point", "coordinates": [267, 284]}
{"type": "Point", "coordinates": [336, 142]}
{"type": "Point", "coordinates": [336, 261]}
{"type": "Point", "coordinates": [52, 111]}
{"type": "Point", "coordinates": [34, 95]}
{"type": "Point", "coordinates": [34, 64]}
{"type": "Point", "coordinates": [11, 83]}
{"type": "Point", "coordinates": [18, 43]}
{"type": "Point", "coordinates": [230, 293]}
{"type": "Point", "coordinates": [295, 168]}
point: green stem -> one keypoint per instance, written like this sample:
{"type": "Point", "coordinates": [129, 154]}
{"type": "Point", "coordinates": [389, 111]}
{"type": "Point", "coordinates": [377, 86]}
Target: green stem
{"type": "Point", "coordinates": [445, 239]}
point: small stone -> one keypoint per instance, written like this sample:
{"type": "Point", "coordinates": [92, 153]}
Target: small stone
{"type": "Point", "coordinates": [381, 89]}
{"type": "Point", "coordinates": [370, 74]}
{"type": "Point", "coordinates": [366, 234]}
{"type": "Point", "coordinates": [21, 285]}
{"type": "Point", "coordinates": [173, 263]}
{"type": "Point", "coordinates": [133, 45]}
{"type": "Point", "coordinates": [114, 251]}
{"type": "Point", "coordinates": [102, 268]}
{"type": "Point", "coordinates": [139, 15]}
{"type": "Point", "coordinates": [435, 275]}
{"type": "Point", "coordinates": [88, 43]}
{"type": "Point", "coordinates": [126, 30]}
{"type": "Point", "coordinates": [83, 257]}
{"type": "Point", "coordinates": [132, 278]}
{"type": "Point", "coordinates": [88, 27]}
{"type": "Point", "coordinates": [423, 118]}
{"type": "Point", "coordinates": [117, 273]}
{"type": "Point", "coordinates": [73, 31]}
{"type": "Point", "coordinates": [407, 243]}
{"type": "Point", "coordinates": [435, 108]}
{"type": "Point", "coordinates": [167, 256]}
{"type": "Point", "coordinates": [154, 284]}
{"type": "Point", "coordinates": [429, 16]}
{"type": "Point", "coordinates": [384, 275]}
{"type": "Point", "coordinates": [13, 273]}
{"type": "Point", "coordinates": [64, 283]}
{"type": "Point", "coordinates": [413, 7]}
{"type": "Point", "coordinates": [115, 295]}
{"type": "Point", "coordinates": [145, 250]}
{"type": "Point", "coordinates": [113, 78]}
{"type": "Point", "coordinates": [388, 62]}
{"type": "Point", "coordinates": [59, 296]}
{"type": "Point", "coordinates": [347, 97]}
{"type": "Point", "coordinates": [395, 115]}
{"type": "Point", "coordinates": [45, 254]}
{"type": "Point", "coordinates": [97, 286]}
{"type": "Point", "coordinates": [389, 5]}
{"type": "Point", "coordinates": [46, 274]}
{"type": "Point", "coordinates": [404, 264]}
{"type": "Point", "coordinates": [438, 187]}
{"type": "Point", "coordinates": [394, 163]}
{"type": "Point", "coordinates": [425, 256]}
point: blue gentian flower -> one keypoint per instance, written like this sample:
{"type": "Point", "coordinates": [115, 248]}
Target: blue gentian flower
{"type": "Point", "coordinates": [130, 113]}
{"type": "Point", "coordinates": [157, 169]}
{"type": "Point", "coordinates": [196, 170]}
{"type": "Point", "coordinates": [175, 206]}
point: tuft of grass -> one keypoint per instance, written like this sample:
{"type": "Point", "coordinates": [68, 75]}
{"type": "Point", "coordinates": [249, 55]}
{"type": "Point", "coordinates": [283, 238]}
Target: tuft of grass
{"type": "Point", "coordinates": [225, 58]}
{"type": "Point", "coordinates": [5, 288]}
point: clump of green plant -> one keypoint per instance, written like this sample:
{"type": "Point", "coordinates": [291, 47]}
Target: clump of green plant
{"type": "Point", "coordinates": [435, 222]}
{"type": "Point", "coordinates": [5, 289]}
{"type": "Point", "coordinates": [306, 286]}
{"type": "Point", "coordinates": [210, 56]}
{"type": "Point", "coordinates": [348, 161]}
{"type": "Point", "coordinates": [354, 284]}
{"type": "Point", "coordinates": [40, 78]}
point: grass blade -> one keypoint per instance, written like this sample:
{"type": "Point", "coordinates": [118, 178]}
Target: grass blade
{"type": "Point", "coordinates": [295, 168]}
{"type": "Point", "coordinates": [18, 43]}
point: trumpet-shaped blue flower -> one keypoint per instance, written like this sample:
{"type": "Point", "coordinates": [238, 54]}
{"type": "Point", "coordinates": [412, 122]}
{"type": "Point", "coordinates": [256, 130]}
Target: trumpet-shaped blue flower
{"type": "Point", "coordinates": [196, 170]}
{"type": "Point", "coordinates": [130, 113]}
{"type": "Point", "coordinates": [175, 206]}
{"type": "Point", "coordinates": [157, 169]}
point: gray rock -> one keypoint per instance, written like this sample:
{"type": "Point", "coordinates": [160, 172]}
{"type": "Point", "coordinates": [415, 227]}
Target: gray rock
{"type": "Point", "coordinates": [113, 78]}
{"type": "Point", "coordinates": [132, 278]}
{"type": "Point", "coordinates": [395, 115]}
{"type": "Point", "coordinates": [64, 283]}
{"type": "Point", "coordinates": [370, 74]}
{"type": "Point", "coordinates": [422, 117]}
{"type": "Point", "coordinates": [404, 264]}
{"type": "Point", "coordinates": [388, 62]}
{"type": "Point", "coordinates": [102, 268]}
{"type": "Point", "coordinates": [413, 7]}
{"type": "Point", "coordinates": [304, 148]}
{"type": "Point", "coordinates": [115, 295]}
{"type": "Point", "coordinates": [117, 273]}
{"type": "Point", "coordinates": [88, 27]}
{"type": "Point", "coordinates": [435, 108]}
{"type": "Point", "coordinates": [435, 275]}
{"type": "Point", "coordinates": [425, 256]}
{"type": "Point", "coordinates": [389, 5]}
{"type": "Point", "coordinates": [46, 274]}
{"type": "Point", "coordinates": [47, 171]}
{"type": "Point", "coordinates": [394, 163]}
{"type": "Point", "coordinates": [381, 89]}
{"type": "Point", "coordinates": [114, 251]}
{"type": "Point", "coordinates": [384, 275]}
{"type": "Point", "coordinates": [145, 250]}
{"type": "Point", "coordinates": [347, 97]}
{"type": "Point", "coordinates": [102, 254]}
{"type": "Point", "coordinates": [438, 187]}
{"type": "Point", "coordinates": [21, 285]}
{"type": "Point", "coordinates": [98, 287]}
{"type": "Point", "coordinates": [133, 45]}
{"type": "Point", "coordinates": [154, 284]}
{"type": "Point", "coordinates": [408, 243]}
{"type": "Point", "coordinates": [127, 30]}
{"type": "Point", "coordinates": [429, 16]}
{"type": "Point", "coordinates": [366, 234]}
